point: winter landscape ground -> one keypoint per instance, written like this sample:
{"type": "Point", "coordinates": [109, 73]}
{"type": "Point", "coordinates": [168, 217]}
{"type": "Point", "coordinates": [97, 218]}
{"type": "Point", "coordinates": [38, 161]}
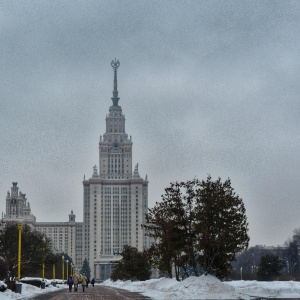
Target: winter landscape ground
{"type": "Point", "coordinates": [203, 287]}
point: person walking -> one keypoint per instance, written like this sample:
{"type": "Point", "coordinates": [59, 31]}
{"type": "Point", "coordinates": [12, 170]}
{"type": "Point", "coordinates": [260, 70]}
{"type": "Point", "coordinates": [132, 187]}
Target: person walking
{"type": "Point", "coordinates": [70, 283]}
{"type": "Point", "coordinates": [93, 282]}
{"type": "Point", "coordinates": [75, 282]}
{"type": "Point", "coordinates": [83, 282]}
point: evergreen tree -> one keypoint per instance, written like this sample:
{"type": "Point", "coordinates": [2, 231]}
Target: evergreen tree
{"type": "Point", "coordinates": [269, 267]}
{"type": "Point", "coordinates": [86, 270]}
{"type": "Point", "coordinates": [171, 222]}
{"type": "Point", "coordinates": [197, 224]}
{"type": "Point", "coordinates": [221, 226]}
{"type": "Point", "coordinates": [133, 266]}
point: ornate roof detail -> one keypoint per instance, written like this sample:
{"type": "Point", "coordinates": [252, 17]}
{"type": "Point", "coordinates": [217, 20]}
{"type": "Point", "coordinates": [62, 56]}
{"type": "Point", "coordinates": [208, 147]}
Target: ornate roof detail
{"type": "Point", "coordinates": [115, 99]}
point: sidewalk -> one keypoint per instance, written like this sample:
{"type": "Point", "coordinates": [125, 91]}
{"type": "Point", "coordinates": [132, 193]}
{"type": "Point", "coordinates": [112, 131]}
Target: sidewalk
{"type": "Point", "coordinates": [99, 292]}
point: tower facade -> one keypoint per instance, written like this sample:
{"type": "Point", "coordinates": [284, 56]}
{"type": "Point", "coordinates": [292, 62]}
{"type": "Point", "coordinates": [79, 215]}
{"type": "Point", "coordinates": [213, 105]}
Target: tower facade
{"type": "Point", "coordinates": [115, 198]}
{"type": "Point", "coordinates": [66, 237]}
{"type": "Point", "coordinates": [17, 207]}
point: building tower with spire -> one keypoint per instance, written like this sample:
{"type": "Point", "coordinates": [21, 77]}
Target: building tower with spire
{"type": "Point", "coordinates": [115, 197]}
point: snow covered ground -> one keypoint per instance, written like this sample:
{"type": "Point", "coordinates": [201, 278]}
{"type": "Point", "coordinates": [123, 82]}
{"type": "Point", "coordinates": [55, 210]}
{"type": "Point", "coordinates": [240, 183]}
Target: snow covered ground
{"type": "Point", "coordinates": [203, 287]}
{"type": "Point", "coordinates": [209, 287]}
{"type": "Point", "coordinates": [28, 291]}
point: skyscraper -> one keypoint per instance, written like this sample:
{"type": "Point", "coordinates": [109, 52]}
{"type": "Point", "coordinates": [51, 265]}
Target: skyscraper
{"type": "Point", "coordinates": [115, 199]}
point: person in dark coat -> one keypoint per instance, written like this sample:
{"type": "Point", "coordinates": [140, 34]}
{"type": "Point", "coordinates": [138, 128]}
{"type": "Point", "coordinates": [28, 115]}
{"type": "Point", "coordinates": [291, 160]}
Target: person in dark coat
{"type": "Point", "coordinates": [70, 283]}
{"type": "Point", "coordinates": [93, 282]}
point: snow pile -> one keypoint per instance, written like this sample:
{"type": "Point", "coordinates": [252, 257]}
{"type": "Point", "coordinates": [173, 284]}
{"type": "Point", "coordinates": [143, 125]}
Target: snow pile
{"type": "Point", "coordinates": [274, 289]}
{"type": "Point", "coordinates": [3, 286]}
{"type": "Point", "coordinates": [203, 287]}
{"type": "Point", "coordinates": [27, 292]}
{"type": "Point", "coordinates": [209, 287]}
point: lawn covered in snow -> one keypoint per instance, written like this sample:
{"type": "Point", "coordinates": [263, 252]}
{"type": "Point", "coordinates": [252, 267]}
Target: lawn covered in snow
{"type": "Point", "coordinates": [203, 287]}
{"type": "Point", "coordinates": [209, 287]}
{"type": "Point", "coordinates": [28, 291]}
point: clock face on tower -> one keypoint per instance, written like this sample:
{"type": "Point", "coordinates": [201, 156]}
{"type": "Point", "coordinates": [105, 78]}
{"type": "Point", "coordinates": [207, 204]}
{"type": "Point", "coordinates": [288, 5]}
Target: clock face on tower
{"type": "Point", "coordinates": [115, 145]}
{"type": "Point", "coordinates": [13, 201]}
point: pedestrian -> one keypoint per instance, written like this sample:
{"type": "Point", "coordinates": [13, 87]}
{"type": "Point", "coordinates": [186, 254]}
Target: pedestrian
{"type": "Point", "coordinates": [93, 282]}
{"type": "Point", "coordinates": [87, 282]}
{"type": "Point", "coordinates": [83, 282]}
{"type": "Point", "coordinates": [70, 283]}
{"type": "Point", "coordinates": [75, 282]}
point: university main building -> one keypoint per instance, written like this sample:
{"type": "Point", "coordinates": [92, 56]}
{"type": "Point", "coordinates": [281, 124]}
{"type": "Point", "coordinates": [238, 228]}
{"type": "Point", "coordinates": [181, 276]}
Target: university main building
{"type": "Point", "coordinates": [115, 201]}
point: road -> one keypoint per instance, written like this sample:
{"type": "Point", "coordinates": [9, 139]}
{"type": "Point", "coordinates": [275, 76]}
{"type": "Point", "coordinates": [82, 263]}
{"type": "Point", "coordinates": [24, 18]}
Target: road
{"type": "Point", "coordinates": [98, 292]}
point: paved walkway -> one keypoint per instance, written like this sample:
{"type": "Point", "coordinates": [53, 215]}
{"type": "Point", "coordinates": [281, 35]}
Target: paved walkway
{"type": "Point", "coordinates": [98, 292]}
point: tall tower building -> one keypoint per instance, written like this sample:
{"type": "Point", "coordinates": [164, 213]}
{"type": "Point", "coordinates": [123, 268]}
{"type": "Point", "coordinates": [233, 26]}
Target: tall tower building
{"type": "Point", "coordinates": [115, 198]}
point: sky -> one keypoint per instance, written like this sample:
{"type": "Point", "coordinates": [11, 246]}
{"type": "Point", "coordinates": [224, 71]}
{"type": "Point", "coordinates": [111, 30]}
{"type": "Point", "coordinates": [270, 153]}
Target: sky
{"type": "Point", "coordinates": [207, 87]}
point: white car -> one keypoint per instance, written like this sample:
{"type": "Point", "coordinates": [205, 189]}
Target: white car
{"type": "Point", "coordinates": [59, 281]}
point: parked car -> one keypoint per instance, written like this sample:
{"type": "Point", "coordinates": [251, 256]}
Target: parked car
{"type": "Point", "coordinates": [59, 281]}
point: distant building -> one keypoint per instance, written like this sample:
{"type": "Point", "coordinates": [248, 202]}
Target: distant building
{"type": "Point", "coordinates": [17, 207]}
{"type": "Point", "coordinates": [115, 201]}
{"type": "Point", "coordinates": [115, 198]}
{"type": "Point", "coordinates": [66, 236]}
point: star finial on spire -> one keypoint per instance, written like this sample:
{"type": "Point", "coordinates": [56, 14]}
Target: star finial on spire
{"type": "Point", "coordinates": [115, 65]}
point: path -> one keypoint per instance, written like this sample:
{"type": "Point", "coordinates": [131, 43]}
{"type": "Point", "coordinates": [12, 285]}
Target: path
{"type": "Point", "coordinates": [99, 292]}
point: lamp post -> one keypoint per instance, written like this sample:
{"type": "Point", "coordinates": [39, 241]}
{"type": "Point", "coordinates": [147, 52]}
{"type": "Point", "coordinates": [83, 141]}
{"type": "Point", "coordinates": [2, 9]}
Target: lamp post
{"type": "Point", "coordinates": [254, 268]}
{"type": "Point", "coordinates": [67, 268]}
{"type": "Point", "coordinates": [62, 269]}
{"type": "Point", "coordinates": [43, 264]}
{"type": "Point", "coordinates": [19, 250]}
{"type": "Point", "coordinates": [53, 270]}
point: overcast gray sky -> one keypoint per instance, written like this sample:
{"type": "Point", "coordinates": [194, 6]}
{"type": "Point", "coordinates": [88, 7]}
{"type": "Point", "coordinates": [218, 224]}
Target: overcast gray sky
{"type": "Point", "coordinates": [207, 87]}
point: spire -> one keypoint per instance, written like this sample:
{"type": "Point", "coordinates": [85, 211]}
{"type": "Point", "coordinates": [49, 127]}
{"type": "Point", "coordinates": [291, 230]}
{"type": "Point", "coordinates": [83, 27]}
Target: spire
{"type": "Point", "coordinates": [115, 65]}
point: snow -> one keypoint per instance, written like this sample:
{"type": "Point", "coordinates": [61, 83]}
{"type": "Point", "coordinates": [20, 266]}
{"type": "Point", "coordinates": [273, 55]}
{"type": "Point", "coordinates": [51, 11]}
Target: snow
{"type": "Point", "coordinates": [203, 287]}
{"type": "Point", "coordinates": [209, 287]}
{"type": "Point", "coordinates": [28, 291]}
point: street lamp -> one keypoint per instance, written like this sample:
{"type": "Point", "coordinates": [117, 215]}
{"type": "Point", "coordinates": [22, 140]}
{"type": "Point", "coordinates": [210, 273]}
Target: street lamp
{"type": "Point", "coordinates": [62, 269]}
{"type": "Point", "coordinates": [67, 268]}
{"type": "Point", "coordinates": [43, 265]}
{"type": "Point", "coordinates": [53, 270]}
{"type": "Point", "coordinates": [254, 268]}
{"type": "Point", "coordinates": [19, 251]}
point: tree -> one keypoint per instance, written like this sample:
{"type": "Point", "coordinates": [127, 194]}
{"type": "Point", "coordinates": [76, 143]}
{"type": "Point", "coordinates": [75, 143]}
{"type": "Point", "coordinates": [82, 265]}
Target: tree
{"type": "Point", "coordinates": [171, 223]}
{"type": "Point", "coordinates": [86, 270]}
{"type": "Point", "coordinates": [269, 267]}
{"type": "Point", "coordinates": [3, 268]}
{"type": "Point", "coordinates": [133, 266]}
{"type": "Point", "coordinates": [198, 223]}
{"type": "Point", "coordinates": [33, 249]}
{"type": "Point", "coordinates": [293, 245]}
{"type": "Point", "coordinates": [221, 224]}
